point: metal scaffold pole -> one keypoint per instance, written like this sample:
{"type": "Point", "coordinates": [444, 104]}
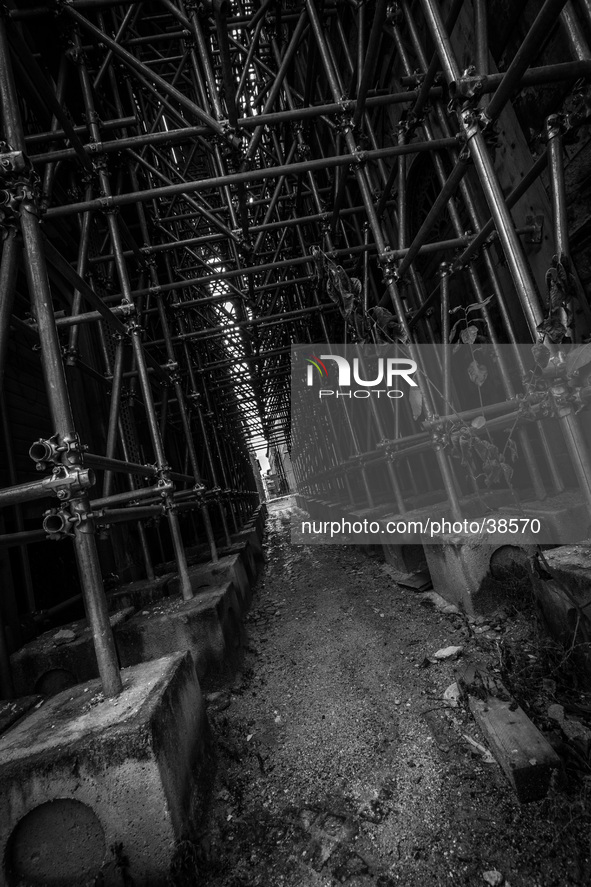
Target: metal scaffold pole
{"type": "Point", "coordinates": [197, 188]}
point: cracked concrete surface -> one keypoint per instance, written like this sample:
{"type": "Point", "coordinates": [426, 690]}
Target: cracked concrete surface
{"type": "Point", "coordinates": [338, 762]}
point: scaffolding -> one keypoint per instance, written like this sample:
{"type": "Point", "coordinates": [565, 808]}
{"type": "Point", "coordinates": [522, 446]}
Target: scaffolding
{"type": "Point", "coordinates": [187, 190]}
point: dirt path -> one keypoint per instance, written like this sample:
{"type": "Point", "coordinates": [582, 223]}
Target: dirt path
{"type": "Point", "coordinates": [337, 762]}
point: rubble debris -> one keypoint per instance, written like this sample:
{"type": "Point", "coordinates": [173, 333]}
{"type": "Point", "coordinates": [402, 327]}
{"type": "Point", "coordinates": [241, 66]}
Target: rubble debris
{"type": "Point", "coordinates": [447, 816]}
{"type": "Point", "coordinates": [448, 653]}
{"type": "Point", "coordinates": [440, 603]}
{"type": "Point", "coordinates": [64, 636]}
{"type": "Point", "coordinates": [218, 701]}
{"type": "Point", "coordinates": [420, 581]}
{"type": "Point", "coordinates": [493, 877]}
{"type": "Point", "coordinates": [417, 581]}
{"type": "Point", "coordinates": [487, 757]}
{"type": "Point", "coordinates": [478, 681]}
{"type": "Point", "coordinates": [452, 695]}
{"type": "Point", "coordinates": [571, 727]}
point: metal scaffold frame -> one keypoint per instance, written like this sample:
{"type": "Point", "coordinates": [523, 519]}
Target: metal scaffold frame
{"type": "Point", "coordinates": [189, 189]}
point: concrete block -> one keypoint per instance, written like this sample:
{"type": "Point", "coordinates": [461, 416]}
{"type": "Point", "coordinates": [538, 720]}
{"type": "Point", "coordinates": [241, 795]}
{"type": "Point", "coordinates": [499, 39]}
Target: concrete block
{"type": "Point", "coordinates": [251, 536]}
{"type": "Point", "coordinates": [53, 662]}
{"type": "Point", "coordinates": [562, 593]}
{"type": "Point", "coordinates": [405, 558]}
{"type": "Point", "coordinates": [321, 509]}
{"type": "Point", "coordinates": [11, 710]}
{"type": "Point", "coordinates": [246, 554]}
{"type": "Point", "coordinates": [572, 564]}
{"type": "Point", "coordinates": [95, 790]}
{"type": "Point", "coordinates": [263, 509]}
{"type": "Point", "coordinates": [316, 506]}
{"type": "Point", "coordinates": [140, 593]}
{"type": "Point", "coordinates": [252, 527]}
{"type": "Point", "coordinates": [199, 556]}
{"type": "Point", "coordinates": [229, 568]}
{"type": "Point", "coordinates": [258, 518]}
{"type": "Point", "coordinates": [208, 627]}
{"type": "Point", "coordinates": [564, 518]}
{"type": "Point", "coordinates": [461, 572]}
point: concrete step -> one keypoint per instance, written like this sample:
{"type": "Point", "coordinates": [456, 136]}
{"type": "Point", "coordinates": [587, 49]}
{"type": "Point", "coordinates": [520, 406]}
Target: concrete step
{"type": "Point", "coordinates": [250, 535]}
{"type": "Point", "coordinates": [59, 658]}
{"type": "Point", "coordinates": [12, 710]}
{"type": "Point", "coordinates": [208, 627]}
{"type": "Point", "coordinates": [88, 782]}
{"type": "Point", "coordinates": [563, 590]}
{"type": "Point", "coordinates": [230, 568]}
{"type": "Point", "coordinates": [140, 593]}
{"type": "Point", "coordinates": [243, 548]}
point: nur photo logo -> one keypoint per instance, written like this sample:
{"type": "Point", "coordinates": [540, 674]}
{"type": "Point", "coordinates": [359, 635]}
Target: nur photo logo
{"type": "Point", "coordinates": [387, 372]}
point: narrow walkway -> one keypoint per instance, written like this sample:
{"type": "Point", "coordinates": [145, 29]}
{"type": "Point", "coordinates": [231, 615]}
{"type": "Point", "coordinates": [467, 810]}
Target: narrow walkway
{"type": "Point", "coordinates": [337, 759]}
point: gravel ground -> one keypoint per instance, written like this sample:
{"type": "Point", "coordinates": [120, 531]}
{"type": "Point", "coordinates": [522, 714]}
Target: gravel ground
{"type": "Point", "coordinates": [338, 760]}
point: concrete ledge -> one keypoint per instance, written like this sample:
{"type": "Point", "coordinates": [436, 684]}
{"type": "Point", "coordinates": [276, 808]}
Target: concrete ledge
{"type": "Point", "coordinates": [140, 593]}
{"type": "Point", "coordinates": [246, 552]}
{"type": "Point", "coordinates": [251, 536]}
{"type": "Point", "coordinates": [12, 710]}
{"type": "Point", "coordinates": [258, 518]}
{"type": "Point", "coordinates": [572, 564]}
{"type": "Point", "coordinates": [570, 567]}
{"type": "Point", "coordinates": [564, 518]}
{"type": "Point", "coordinates": [232, 567]}
{"type": "Point", "coordinates": [255, 526]}
{"type": "Point", "coordinates": [59, 658]}
{"type": "Point", "coordinates": [405, 558]}
{"type": "Point", "coordinates": [94, 789]}
{"type": "Point", "coordinates": [263, 511]}
{"type": "Point", "coordinates": [208, 627]}
{"type": "Point", "coordinates": [229, 568]}
{"type": "Point", "coordinates": [461, 572]}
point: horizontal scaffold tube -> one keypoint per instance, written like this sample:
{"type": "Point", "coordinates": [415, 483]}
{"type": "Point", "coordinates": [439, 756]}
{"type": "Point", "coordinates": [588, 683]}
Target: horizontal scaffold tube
{"type": "Point", "coordinates": [253, 175]}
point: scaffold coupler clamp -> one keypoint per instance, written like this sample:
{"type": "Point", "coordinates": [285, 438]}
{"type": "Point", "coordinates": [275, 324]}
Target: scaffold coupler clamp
{"type": "Point", "coordinates": [59, 523]}
{"type": "Point", "coordinates": [56, 450]}
{"type": "Point", "coordinates": [173, 370]}
{"type": "Point", "coordinates": [164, 487]}
{"type": "Point", "coordinates": [467, 90]}
{"type": "Point", "coordinates": [66, 482]}
{"type": "Point", "coordinates": [18, 187]}
{"type": "Point", "coordinates": [200, 491]}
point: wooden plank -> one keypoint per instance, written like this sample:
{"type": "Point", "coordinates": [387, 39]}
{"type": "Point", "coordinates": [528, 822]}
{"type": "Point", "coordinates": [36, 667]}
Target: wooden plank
{"type": "Point", "coordinates": [525, 755]}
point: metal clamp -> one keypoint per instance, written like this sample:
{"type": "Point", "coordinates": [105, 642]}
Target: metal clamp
{"type": "Point", "coordinates": [133, 326]}
{"type": "Point", "coordinates": [106, 205]}
{"type": "Point", "coordinates": [389, 266]}
{"type": "Point", "coordinates": [467, 90]}
{"type": "Point", "coordinates": [173, 369]}
{"type": "Point", "coordinates": [66, 482]}
{"type": "Point", "coordinates": [164, 486]}
{"type": "Point", "coordinates": [59, 523]}
{"type": "Point", "coordinates": [13, 163]}
{"type": "Point", "coordinates": [51, 451]}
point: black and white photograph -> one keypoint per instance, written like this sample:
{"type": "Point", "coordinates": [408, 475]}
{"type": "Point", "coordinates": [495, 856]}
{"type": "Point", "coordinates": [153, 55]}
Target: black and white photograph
{"type": "Point", "coordinates": [295, 443]}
